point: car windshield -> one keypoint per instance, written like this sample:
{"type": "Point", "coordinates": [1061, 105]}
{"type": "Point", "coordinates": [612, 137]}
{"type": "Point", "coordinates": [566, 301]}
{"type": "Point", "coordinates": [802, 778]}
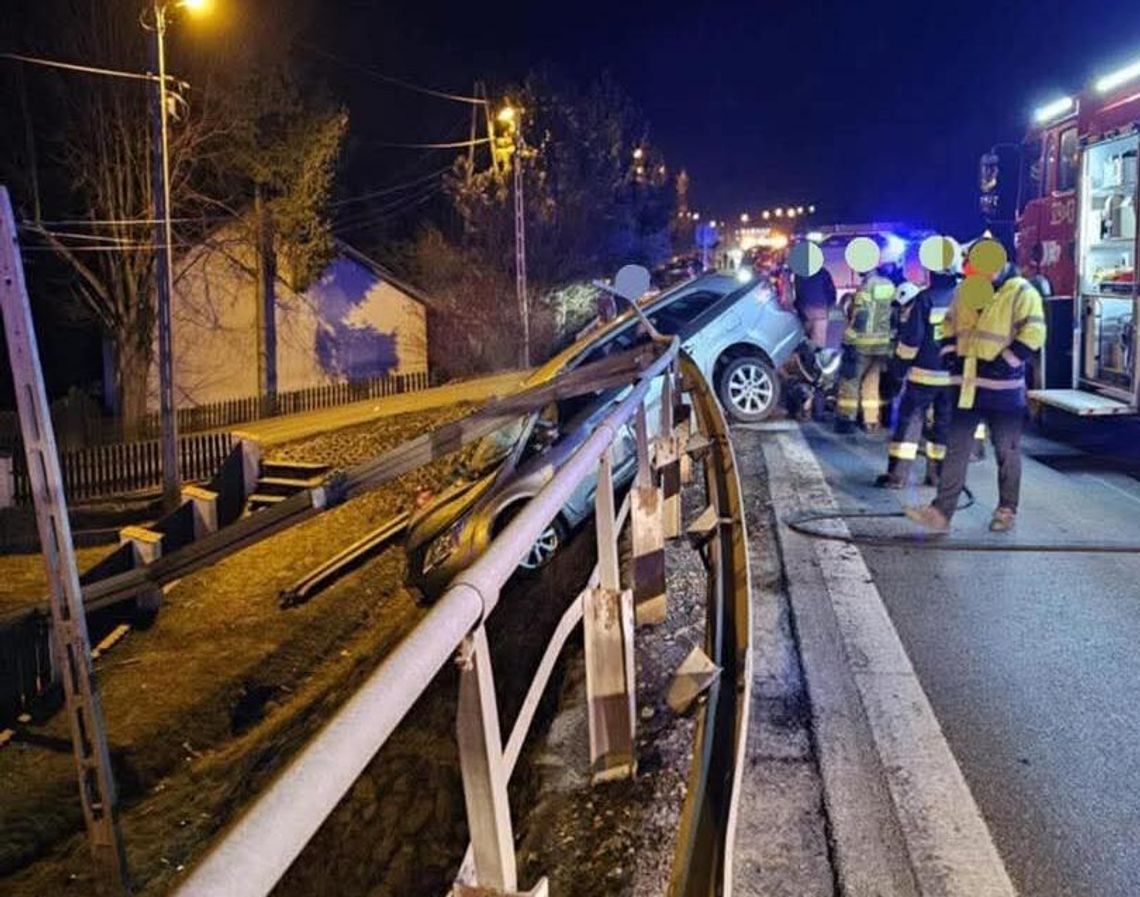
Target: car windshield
{"type": "Point", "coordinates": [493, 448]}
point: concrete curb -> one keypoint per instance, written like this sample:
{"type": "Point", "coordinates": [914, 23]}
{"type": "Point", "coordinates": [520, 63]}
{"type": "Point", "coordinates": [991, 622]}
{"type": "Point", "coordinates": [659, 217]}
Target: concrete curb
{"type": "Point", "coordinates": [903, 820]}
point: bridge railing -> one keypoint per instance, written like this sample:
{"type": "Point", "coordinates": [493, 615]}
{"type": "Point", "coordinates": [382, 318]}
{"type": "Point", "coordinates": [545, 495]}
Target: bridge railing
{"type": "Point", "coordinates": [256, 851]}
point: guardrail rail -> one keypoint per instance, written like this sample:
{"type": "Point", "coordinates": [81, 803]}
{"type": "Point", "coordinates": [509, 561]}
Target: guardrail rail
{"type": "Point", "coordinates": [258, 848]}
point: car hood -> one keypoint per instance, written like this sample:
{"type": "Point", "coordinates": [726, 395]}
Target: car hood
{"type": "Point", "coordinates": [446, 509]}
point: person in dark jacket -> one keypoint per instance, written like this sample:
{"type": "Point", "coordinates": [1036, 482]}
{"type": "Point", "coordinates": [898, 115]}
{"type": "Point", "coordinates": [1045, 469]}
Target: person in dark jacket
{"type": "Point", "coordinates": [814, 298]}
{"type": "Point", "coordinates": [917, 361]}
{"type": "Point", "coordinates": [988, 337]}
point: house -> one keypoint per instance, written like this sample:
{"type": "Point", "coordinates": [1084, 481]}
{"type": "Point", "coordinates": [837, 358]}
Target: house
{"type": "Point", "coordinates": [354, 321]}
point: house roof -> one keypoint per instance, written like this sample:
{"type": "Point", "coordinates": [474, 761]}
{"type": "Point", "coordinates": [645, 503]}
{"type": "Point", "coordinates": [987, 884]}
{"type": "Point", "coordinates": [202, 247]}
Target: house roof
{"type": "Point", "coordinates": [380, 271]}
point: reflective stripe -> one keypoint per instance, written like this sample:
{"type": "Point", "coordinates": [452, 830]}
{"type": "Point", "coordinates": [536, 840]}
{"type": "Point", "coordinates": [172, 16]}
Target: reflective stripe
{"type": "Point", "coordinates": [947, 350]}
{"type": "Point", "coordinates": [904, 451]}
{"type": "Point", "coordinates": [980, 431]}
{"type": "Point", "coordinates": [935, 451]}
{"type": "Point", "coordinates": [927, 377]}
{"type": "Point", "coordinates": [847, 404]}
{"type": "Point", "coordinates": [872, 403]}
{"type": "Point", "coordinates": [986, 383]}
{"type": "Point", "coordinates": [1028, 319]}
{"type": "Point", "coordinates": [905, 352]}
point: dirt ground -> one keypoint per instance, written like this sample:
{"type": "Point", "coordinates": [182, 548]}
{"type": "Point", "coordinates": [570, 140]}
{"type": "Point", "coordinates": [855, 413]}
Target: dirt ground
{"type": "Point", "coordinates": [207, 703]}
{"type": "Point", "coordinates": [619, 838]}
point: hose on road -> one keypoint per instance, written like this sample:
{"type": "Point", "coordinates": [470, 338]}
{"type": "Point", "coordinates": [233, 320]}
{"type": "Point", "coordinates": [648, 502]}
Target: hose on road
{"type": "Point", "coordinates": [801, 523]}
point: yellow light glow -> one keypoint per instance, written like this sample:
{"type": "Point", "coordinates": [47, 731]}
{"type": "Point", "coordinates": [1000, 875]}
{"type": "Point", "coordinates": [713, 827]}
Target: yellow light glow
{"type": "Point", "coordinates": [743, 217]}
{"type": "Point", "coordinates": [767, 215]}
{"type": "Point", "coordinates": [638, 153]}
{"type": "Point", "coordinates": [779, 213]}
{"type": "Point", "coordinates": [197, 7]}
{"type": "Point", "coordinates": [507, 115]}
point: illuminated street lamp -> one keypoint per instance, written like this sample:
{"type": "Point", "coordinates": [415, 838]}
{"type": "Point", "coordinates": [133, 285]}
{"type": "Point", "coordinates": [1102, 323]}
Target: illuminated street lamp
{"type": "Point", "coordinates": [811, 210]}
{"type": "Point", "coordinates": [766, 215]}
{"type": "Point", "coordinates": [744, 218]}
{"type": "Point", "coordinates": [779, 213]}
{"type": "Point", "coordinates": [799, 210]}
{"type": "Point", "coordinates": [163, 238]}
{"type": "Point", "coordinates": [511, 142]}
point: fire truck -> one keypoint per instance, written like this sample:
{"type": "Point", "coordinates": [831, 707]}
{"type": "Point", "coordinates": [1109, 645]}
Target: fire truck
{"type": "Point", "coordinates": [1066, 198]}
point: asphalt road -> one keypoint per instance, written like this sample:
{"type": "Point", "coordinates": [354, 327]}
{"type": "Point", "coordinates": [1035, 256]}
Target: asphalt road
{"type": "Point", "coordinates": [1031, 661]}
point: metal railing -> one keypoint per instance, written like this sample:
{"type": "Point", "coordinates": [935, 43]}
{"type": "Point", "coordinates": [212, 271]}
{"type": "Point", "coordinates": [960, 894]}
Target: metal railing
{"type": "Point", "coordinates": [257, 850]}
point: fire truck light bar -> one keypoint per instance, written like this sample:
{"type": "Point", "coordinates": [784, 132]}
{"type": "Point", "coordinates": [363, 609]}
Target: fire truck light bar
{"type": "Point", "coordinates": [1052, 110]}
{"type": "Point", "coordinates": [1121, 76]}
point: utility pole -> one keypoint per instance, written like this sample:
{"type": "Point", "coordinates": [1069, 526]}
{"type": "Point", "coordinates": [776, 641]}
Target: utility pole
{"type": "Point", "coordinates": [70, 644]}
{"type": "Point", "coordinates": [520, 248]}
{"type": "Point", "coordinates": [266, 303]}
{"type": "Point", "coordinates": [163, 275]}
{"type": "Point", "coordinates": [511, 142]}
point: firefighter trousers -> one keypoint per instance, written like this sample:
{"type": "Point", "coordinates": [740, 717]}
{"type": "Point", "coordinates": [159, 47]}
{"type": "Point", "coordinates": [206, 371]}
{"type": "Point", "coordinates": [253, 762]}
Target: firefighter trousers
{"type": "Point", "coordinates": [1005, 433]}
{"type": "Point", "coordinates": [920, 402]}
{"type": "Point", "coordinates": [859, 389]}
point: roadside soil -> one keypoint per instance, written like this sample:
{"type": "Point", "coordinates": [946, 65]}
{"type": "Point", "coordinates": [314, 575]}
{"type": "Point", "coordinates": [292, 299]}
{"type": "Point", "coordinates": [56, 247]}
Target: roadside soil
{"type": "Point", "coordinates": [204, 706]}
{"type": "Point", "coordinates": [618, 838]}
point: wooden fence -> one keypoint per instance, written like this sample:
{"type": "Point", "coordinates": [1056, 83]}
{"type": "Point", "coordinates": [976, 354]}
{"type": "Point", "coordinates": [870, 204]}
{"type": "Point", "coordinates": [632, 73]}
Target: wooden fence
{"type": "Point", "coordinates": [127, 467]}
{"type": "Point", "coordinates": [81, 428]}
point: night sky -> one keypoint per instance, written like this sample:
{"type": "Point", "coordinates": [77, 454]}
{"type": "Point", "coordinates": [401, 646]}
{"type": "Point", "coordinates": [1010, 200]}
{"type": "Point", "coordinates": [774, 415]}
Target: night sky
{"type": "Point", "coordinates": [872, 110]}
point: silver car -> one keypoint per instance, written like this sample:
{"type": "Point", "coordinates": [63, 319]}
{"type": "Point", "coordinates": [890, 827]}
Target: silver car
{"type": "Point", "coordinates": [735, 332]}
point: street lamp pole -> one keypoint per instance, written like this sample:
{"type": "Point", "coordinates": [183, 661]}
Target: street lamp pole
{"type": "Point", "coordinates": [163, 274]}
{"type": "Point", "coordinates": [520, 248]}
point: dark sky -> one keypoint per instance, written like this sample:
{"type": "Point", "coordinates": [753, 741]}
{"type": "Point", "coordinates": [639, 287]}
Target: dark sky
{"type": "Point", "coordinates": [869, 109]}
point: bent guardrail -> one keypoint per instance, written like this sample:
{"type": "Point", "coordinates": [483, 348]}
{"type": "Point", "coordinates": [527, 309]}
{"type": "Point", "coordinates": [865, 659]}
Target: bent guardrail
{"type": "Point", "coordinates": [256, 851]}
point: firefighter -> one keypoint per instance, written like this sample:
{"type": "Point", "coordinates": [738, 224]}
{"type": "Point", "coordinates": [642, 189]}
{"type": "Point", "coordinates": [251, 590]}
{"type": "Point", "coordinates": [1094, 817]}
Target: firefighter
{"type": "Point", "coordinates": [917, 361]}
{"type": "Point", "coordinates": [988, 343]}
{"type": "Point", "coordinates": [866, 348]}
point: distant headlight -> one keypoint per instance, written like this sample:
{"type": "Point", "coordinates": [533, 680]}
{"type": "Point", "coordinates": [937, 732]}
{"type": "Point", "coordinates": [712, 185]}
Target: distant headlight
{"type": "Point", "coordinates": [441, 548]}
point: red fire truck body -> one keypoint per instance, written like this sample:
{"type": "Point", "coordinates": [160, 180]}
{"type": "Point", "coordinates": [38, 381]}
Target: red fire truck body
{"type": "Point", "coordinates": [1068, 195]}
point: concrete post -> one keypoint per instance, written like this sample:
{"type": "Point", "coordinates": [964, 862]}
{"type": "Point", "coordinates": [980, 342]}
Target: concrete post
{"type": "Point", "coordinates": [205, 509]}
{"type": "Point", "coordinates": [147, 545]}
{"type": "Point", "coordinates": [7, 484]}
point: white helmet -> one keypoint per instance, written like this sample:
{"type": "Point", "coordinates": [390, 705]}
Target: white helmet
{"type": "Point", "coordinates": [906, 292]}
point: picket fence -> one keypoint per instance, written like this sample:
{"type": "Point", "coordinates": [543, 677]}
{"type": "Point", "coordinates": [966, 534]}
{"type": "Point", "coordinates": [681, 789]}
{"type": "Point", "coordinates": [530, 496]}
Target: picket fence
{"type": "Point", "coordinates": [83, 427]}
{"type": "Point", "coordinates": [124, 468]}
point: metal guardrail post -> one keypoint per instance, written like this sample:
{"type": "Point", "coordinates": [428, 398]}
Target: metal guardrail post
{"type": "Point", "coordinates": [649, 598]}
{"type": "Point", "coordinates": [484, 773]}
{"type": "Point", "coordinates": [608, 628]}
{"type": "Point", "coordinates": [668, 463]}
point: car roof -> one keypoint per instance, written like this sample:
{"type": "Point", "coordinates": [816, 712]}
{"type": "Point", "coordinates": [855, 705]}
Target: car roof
{"type": "Point", "coordinates": [725, 283]}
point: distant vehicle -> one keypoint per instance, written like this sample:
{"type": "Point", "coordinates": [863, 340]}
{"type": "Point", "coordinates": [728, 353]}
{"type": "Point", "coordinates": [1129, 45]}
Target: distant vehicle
{"type": "Point", "coordinates": [736, 333]}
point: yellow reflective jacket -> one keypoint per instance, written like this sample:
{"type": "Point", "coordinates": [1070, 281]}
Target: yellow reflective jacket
{"type": "Point", "coordinates": [988, 347]}
{"type": "Point", "coordinates": [869, 321]}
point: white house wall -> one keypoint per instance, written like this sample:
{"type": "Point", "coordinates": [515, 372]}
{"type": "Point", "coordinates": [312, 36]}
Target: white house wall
{"type": "Point", "coordinates": [349, 324]}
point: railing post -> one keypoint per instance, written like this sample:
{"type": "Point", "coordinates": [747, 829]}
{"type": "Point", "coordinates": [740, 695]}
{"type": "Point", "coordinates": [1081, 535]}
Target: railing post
{"type": "Point", "coordinates": [608, 628]}
{"type": "Point", "coordinates": [649, 598]}
{"type": "Point", "coordinates": [668, 463]}
{"type": "Point", "coordinates": [481, 762]}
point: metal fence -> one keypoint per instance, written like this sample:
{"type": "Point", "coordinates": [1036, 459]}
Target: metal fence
{"type": "Point", "coordinates": [79, 425]}
{"type": "Point", "coordinates": [258, 849]}
{"type": "Point", "coordinates": [126, 467]}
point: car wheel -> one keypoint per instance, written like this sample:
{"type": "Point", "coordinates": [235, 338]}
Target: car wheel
{"type": "Point", "coordinates": [749, 389]}
{"type": "Point", "coordinates": [545, 547]}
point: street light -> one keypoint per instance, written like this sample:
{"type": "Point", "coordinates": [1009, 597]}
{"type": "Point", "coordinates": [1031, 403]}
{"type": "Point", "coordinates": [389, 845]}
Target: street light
{"type": "Point", "coordinates": [744, 218]}
{"type": "Point", "coordinates": [767, 215]}
{"type": "Point", "coordinates": [512, 140]}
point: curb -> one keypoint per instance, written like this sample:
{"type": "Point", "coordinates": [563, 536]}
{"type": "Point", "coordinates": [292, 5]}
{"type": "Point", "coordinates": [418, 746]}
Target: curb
{"type": "Point", "coordinates": [903, 820]}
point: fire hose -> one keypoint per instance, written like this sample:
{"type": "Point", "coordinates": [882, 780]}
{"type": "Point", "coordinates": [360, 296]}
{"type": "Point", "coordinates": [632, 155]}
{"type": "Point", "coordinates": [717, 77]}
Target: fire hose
{"type": "Point", "coordinates": [801, 523]}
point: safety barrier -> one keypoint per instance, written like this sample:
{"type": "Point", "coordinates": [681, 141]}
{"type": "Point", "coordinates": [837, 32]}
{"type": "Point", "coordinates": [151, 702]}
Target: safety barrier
{"type": "Point", "coordinates": [256, 851]}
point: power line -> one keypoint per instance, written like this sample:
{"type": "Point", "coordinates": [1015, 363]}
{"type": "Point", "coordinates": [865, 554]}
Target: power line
{"type": "Point", "coordinates": [389, 79]}
{"type": "Point", "coordinates": [87, 69]}
{"type": "Point", "coordinates": [366, 217]}
{"type": "Point", "coordinates": [458, 144]}
{"type": "Point", "coordinates": [386, 191]}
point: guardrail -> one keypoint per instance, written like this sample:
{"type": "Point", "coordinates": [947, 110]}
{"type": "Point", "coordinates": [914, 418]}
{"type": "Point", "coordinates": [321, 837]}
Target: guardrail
{"type": "Point", "coordinates": [256, 851]}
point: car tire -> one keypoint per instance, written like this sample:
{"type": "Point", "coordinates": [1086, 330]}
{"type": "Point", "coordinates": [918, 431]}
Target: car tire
{"type": "Point", "coordinates": [544, 549]}
{"type": "Point", "coordinates": [749, 389]}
